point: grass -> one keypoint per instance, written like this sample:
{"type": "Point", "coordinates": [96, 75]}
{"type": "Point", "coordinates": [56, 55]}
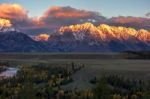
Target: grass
{"type": "Point", "coordinates": [97, 62]}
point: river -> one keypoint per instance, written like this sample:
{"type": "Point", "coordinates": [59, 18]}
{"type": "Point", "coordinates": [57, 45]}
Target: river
{"type": "Point", "coordinates": [9, 72]}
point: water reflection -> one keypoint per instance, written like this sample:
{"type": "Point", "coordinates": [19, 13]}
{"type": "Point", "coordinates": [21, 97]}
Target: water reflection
{"type": "Point", "coordinates": [10, 72]}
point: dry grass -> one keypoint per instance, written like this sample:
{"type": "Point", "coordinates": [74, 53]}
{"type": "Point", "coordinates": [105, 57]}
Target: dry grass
{"type": "Point", "coordinates": [95, 65]}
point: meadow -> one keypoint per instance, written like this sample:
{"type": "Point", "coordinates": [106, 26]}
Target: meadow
{"type": "Point", "coordinates": [81, 72]}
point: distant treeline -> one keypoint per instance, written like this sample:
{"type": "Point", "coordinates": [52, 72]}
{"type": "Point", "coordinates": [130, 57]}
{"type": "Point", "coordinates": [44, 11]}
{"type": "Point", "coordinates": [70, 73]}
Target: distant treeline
{"type": "Point", "coordinates": [137, 54]}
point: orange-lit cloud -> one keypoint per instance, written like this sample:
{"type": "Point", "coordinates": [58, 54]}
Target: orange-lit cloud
{"type": "Point", "coordinates": [17, 15]}
{"type": "Point", "coordinates": [68, 12]}
{"type": "Point", "coordinates": [42, 37]}
{"type": "Point", "coordinates": [5, 23]}
{"type": "Point", "coordinates": [12, 11]}
{"type": "Point", "coordinates": [56, 16]}
{"type": "Point", "coordinates": [59, 16]}
{"type": "Point", "coordinates": [136, 22]}
{"type": "Point", "coordinates": [124, 20]}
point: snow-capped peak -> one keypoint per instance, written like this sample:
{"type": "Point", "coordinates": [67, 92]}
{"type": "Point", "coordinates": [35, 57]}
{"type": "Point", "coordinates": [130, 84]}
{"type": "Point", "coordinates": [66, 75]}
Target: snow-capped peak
{"type": "Point", "coordinates": [6, 25]}
{"type": "Point", "coordinates": [8, 29]}
{"type": "Point", "coordinates": [105, 32]}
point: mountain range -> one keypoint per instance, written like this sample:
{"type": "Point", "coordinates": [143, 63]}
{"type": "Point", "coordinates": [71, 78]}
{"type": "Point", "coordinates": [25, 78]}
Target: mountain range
{"type": "Point", "coordinates": [78, 38]}
{"type": "Point", "coordinates": [14, 41]}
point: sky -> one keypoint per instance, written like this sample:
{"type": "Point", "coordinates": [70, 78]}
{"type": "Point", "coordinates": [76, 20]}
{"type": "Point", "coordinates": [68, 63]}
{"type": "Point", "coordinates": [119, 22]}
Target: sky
{"type": "Point", "coordinates": [37, 16]}
{"type": "Point", "coordinates": [108, 8]}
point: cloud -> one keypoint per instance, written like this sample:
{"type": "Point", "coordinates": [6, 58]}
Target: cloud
{"type": "Point", "coordinates": [124, 20]}
{"type": "Point", "coordinates": [60, 16]}
{"type": "Point", "coordinates": [12, 11]}
{"type": "Point", "coordinates": [55, 17]}
{"type": "Point", "coordinates": [68, 12]}
{"type": "Point", "coordinates": [67, 15]}
{"type": "Point", "coordinates": [147, 14]}
{"type": "Point", "coordinates": [17, 15]}
{"type": "Point", "coordinates": [135, 22]}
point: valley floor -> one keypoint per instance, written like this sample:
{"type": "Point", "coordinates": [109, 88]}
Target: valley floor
{"type": "Point", "coordinates": [94, 67]}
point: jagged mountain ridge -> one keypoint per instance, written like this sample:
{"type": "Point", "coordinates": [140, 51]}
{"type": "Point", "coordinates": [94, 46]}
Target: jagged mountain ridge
{"type": "Point", "coordinates": [87, 37]}
{"type": "Point", "coordinates": [13, 41]}
{"type": "Point", "coordinates": [106, 32]}
{"type": "Point", "coordinates": [77, 38]}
